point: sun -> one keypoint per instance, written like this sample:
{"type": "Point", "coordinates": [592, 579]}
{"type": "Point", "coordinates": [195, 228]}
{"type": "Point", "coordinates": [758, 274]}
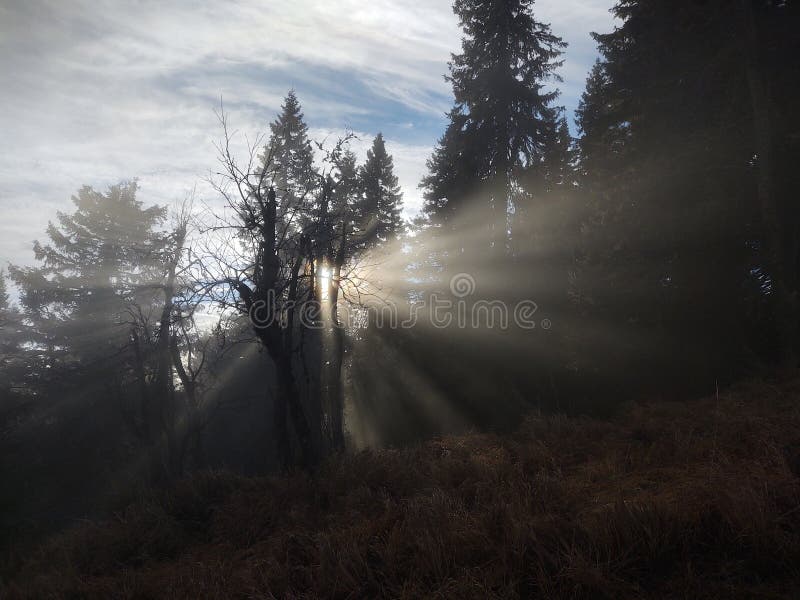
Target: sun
{"type": "Point", "coordinates": [324, 281]}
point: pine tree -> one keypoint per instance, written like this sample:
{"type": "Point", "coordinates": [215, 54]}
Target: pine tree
{"type": "Point", "coordinates": [291, 158]}
{"type": "Point", "coordinates": [379, 211]}
{"type": "Point", "coordinates": [9, 349]}
{"type": "Point", "coordinates": [546, 189]}
{"type": "Point", "coordinates": [9, 323]}
{"type": "Point", "coordinates": [91, 270]}
{"type": "Point", "coordinates": [450, 176]}
{"type": "Point", "coordinates": [3, 293]}
{"type": "Point", "coordinates": [501, 118]}
{"type": "Point", "coordinates": [670, 253]}
{"type": "Point", "coordinates": [348, 190]}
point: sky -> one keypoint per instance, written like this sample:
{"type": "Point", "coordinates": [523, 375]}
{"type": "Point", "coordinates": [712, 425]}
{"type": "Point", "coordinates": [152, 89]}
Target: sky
{"type": "Point", "coordinates": [98, 91]}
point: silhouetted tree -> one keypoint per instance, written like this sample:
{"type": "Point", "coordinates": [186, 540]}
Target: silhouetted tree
{"type": "Point", "coordinates": [13, 370]}
{"type": "Point", "coordinates": [289, 160]}
{"type": "Point", "coordinates": [268, 271]}
{"type": "Point", "coordinates": [501, 118]}
{"type": "Point", "coordinates": [378, 212]}
{"type": "Point", "coordinates": [676, 245]}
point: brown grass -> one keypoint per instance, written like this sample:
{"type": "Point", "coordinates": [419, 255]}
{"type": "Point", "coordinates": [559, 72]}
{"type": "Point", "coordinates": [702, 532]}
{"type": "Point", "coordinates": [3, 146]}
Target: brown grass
{"type": "Point", "coordinates": [678, 500]}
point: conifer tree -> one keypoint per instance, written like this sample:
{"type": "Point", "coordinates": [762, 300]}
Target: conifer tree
{"type": "Point", "coordinates": [9, 322]}
{"type": "Point", "coordinates": [501, 118]}
{"type": "Point", "coordinates": [291, 158]}
{"type": "Point", "coordinates": [379, 210]}
{"type": "Point", "coordinates": [3, 293]}
{"type": "Point", "coordinates": [92, 266]}
{"type": "Point", "coordinates": [672, 250]}
{"type": "Point", "coordinates": [8, 331]}
{"type": "Point", "coordinates": [348, 190]}
{"type": "Point", "coordinates": [12, 364]}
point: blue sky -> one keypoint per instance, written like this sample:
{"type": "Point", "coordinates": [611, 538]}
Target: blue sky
{"type": "Point", "coordinates": [95, 91]}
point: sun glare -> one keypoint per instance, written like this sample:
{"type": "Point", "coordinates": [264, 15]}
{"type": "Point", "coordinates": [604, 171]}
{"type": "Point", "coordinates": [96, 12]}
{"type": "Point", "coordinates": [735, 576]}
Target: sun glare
{"type": "Point", "coordinates": [325, 281]}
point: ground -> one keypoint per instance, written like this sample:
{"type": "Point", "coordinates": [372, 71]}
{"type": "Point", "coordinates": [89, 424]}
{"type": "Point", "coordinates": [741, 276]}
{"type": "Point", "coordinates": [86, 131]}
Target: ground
{"type": "Point", "coordinates": [666, 500]}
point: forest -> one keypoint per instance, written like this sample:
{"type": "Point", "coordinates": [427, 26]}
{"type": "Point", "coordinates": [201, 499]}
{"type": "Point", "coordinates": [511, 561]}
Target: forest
{"type": "Point", "coordinates": [573, 374]}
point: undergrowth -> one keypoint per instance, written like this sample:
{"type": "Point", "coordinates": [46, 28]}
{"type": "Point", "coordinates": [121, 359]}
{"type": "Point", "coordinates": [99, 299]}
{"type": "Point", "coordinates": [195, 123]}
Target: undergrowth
{"type": "Point", "coordinates": [669, 500]}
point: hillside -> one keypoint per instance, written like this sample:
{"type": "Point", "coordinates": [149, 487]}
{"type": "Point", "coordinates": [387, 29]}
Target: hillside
{"type": "Point", "coordinates": [696, 499]}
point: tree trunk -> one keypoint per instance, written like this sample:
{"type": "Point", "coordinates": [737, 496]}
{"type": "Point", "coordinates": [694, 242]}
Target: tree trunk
{"type": "Point", "coordinates": [189, 438]}
{"type": "Point", "coordinates": [165, 387]}
{"type": "Point", "coordinates": [774, 242]}
{"type": "Point", "coordinates": [144, 397]}
{"type": "Point", "coordinates": [334, 377]}
{"type": "Point", "coordinates": [288, 400]}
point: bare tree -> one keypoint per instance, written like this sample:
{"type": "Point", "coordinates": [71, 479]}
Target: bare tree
{"type": "Point", "coordinates": [266, 262]}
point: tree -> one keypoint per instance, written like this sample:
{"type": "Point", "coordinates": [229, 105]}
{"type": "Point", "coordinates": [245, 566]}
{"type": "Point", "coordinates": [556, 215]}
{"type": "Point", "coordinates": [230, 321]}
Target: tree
{"type": "Point", "coordinates": [780, 254]}
{"type": "Point", "coordinates": [287, 271]}
{"type": "Point", "coordinates": [501, 118]}
{"type": "Point", "coordinates": [11, 354]}
{"type": "Point", "coordinates": [495, 181]}
{"type": "Point", "coordinates": [270, 272]}
{"type": "Point", "coordinates": [89, 314]}
{"type": "Point", "coordinates": [379, 210]}
{"type": "Point", "coordinates": [3, 293]}
{"type": "Point", "coordinates": [348, 186]}
{"type": "Point", "coordinates": [170, 327]}
{"type": "Point", "coordinates": [674, 252]}
{"type": "Point", "coordinates": [289, 158]}
{"type": "Point", "coordinates": [91, 270]}
{"type": "Point", "coordinates": [344, 243]}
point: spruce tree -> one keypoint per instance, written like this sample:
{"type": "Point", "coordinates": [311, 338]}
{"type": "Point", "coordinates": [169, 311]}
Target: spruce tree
{"type": "Point", "coordinates": [10, 352]}
{"type": "Point", "coordinates": [92, 267]}
{"type": "Point", "coordinates": [9, 325]}
{"type": "Point", "coordinates": [379, 212]}
{"type": "Point", "coordinates": [3, 293]}
{"type": "Point", "coordinates": [291, 158]}
{"type": "Point", "coordinates": [672, 251]}
{"type": "Point", "coordinates": [500, 122]}
{"type": "Point", "coordinates": [347, 192]}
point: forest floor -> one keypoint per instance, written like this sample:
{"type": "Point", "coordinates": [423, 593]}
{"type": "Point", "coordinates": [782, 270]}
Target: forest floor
{"type": "Point", "coordinates": [667, 500]}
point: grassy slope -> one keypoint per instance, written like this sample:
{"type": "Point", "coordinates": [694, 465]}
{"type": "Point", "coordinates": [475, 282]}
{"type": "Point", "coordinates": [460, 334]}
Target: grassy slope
{"type": "Point", "coordinates": [698, 499]}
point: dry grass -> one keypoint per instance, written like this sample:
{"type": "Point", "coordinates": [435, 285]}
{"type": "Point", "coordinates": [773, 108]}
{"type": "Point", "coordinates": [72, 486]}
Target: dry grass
{"type": "Point", "coordinates": [680, 500]}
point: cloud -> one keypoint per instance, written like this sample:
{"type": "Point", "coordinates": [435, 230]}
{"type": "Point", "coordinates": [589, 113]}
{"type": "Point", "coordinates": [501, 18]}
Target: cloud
{"type": "Point", "coordinates": [100, 90]}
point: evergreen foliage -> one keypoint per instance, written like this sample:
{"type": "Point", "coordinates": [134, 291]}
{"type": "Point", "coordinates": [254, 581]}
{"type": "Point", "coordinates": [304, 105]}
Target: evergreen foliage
{"type": "Point", "coordinates": [379, 210]}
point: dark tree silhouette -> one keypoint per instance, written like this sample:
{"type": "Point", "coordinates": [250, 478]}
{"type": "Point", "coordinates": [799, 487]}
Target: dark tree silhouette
{"type": "Point", "coordinates": [500, 122]}
{"type": "Point", "coordinates": [378, 212]}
